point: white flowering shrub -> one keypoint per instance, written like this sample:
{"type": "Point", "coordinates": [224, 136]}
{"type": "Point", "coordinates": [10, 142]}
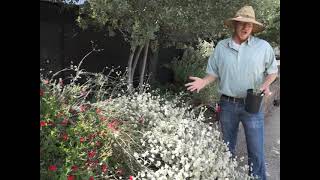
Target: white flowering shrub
{"type": "Point", "coordinates": [205, 48]}
{"type": "Point", "coordinates": [173, 142]}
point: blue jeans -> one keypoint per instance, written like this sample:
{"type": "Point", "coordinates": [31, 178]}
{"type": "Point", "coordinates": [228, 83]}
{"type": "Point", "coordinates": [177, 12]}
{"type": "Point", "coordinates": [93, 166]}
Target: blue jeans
{"type": "Point", "coordinates": [230, 116]}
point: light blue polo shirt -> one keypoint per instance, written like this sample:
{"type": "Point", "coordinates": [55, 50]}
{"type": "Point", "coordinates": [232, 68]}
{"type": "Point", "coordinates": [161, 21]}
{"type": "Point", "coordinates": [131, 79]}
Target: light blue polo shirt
{"type": "Point", "coordinates": [243, 67]}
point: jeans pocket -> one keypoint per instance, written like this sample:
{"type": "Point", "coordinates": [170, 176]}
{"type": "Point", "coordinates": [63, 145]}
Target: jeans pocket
{"type": "Point", "coordinates": [225, 105]}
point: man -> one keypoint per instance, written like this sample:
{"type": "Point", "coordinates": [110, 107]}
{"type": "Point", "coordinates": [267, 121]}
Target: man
{"type": "Point", "coordinates": [239, 63]}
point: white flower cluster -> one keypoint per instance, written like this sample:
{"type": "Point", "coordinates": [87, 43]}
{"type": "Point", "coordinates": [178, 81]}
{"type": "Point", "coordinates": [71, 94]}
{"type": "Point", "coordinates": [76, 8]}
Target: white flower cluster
{"type": "Point", "coordinates": [205, 48]}
{"type": "Point", "coordinates": [176, 144]}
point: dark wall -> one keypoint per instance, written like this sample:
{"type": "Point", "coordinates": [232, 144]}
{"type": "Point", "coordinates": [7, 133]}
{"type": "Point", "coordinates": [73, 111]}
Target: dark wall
{"type": "Point", "coordinates": [166, 55]}
{"type": "Point", "coordinates": [50, 49]}
{"type": "Point", "coordinates": [62, 41]}
{"type": "Point", "coordinates": [115, 50]}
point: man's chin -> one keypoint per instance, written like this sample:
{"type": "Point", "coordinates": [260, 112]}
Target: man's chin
{"type": "Point", "coordinates": [243, 38]}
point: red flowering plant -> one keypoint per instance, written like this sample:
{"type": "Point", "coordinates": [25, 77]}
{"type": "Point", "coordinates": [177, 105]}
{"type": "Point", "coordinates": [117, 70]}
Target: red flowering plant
{"type": "Point", "coordinates": [78, 139]}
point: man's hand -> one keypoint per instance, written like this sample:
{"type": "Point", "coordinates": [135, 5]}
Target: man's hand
{"type": "Point", "coordinates": [266, 89]}
{"type": "Point", "coordinates": [197, 84]}
{"type": "Point", "coordinates": [265, 86]}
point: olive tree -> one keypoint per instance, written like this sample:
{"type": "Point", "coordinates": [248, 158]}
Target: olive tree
{"type": "Point", "coordinates": [143, 22]}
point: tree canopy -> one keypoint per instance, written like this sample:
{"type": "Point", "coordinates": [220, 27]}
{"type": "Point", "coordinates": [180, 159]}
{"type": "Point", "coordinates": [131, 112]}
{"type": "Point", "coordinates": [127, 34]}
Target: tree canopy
{"type": "Point", "coordinates": [142, 20]}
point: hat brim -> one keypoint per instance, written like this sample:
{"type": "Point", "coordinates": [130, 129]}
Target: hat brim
{"type": "Point", "coordinates": [257, 26]}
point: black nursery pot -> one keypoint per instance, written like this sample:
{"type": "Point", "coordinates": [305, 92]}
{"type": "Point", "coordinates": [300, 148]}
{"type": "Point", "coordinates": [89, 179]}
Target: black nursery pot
{"type": "Point", "coordinates": [253, 101]}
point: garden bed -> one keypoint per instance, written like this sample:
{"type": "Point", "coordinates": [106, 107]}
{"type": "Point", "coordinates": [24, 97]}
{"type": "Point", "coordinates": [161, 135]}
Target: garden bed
{"type": "Point", "coordinates": [122, 135]}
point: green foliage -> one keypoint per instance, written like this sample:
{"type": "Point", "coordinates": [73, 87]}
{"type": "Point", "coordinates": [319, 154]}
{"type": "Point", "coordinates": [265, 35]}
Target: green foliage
{"type": "Point", "coordinates": [268, 12]}
{"type": "Point", "coordinates": [134, 19]}
{"type": "Point", "coordinates": [193, 63]}
{"type": "Point", "coordinates": [142, 20]}
{"type": "Point", "coordinates": [272, 34]}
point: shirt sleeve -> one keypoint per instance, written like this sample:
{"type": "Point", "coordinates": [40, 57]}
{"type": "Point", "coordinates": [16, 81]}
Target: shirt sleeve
{"type": "Point", "coordinates": [270, 61]}
{"type": "Point", "coordinates": [212, 66]}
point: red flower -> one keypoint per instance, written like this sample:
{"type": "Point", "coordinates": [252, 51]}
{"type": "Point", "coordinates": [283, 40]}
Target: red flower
{"type": "Point", "coordinates": [102, 118]}
{"type": "Point", "coordinates": [130, 177]}
{"type": "Point", "coordinates": [65, 137]}
{"type": "Point", "coordinates": [113, 125]}
{"type": "Point", "coordinates": [98, 143]}
{"type": "Point", "coordinates": [43, 123]}
{"type": "Point", "coordinates": [45, 81]}
{"type": "Point", "coordinates": [52, 168]}
{"type": "Point", "coordinates": [41, 92]}
{"type": "Point", "coordinates": [91, 154]}
{"type": "Point", "coordinates": [74, 168]}
{"type": "Point", "coordinates": [82, 139]}
{"type": "Point", "coordinates": [110, 126]}
{"type": "Point", "coordinates": [64, 122]}
{"type": "Point", "coordinates": [82, 108]}
{"type": "Point", "coordinates": [104, 168]}
{"type": "Point", "coordinates": [71, 177]}
{"type": "Point", "coordinates": [91, 136]}
{"type": "Point", "coordinates": [91, 178]}
{"type": "Point", "coordinates": [98, 111]}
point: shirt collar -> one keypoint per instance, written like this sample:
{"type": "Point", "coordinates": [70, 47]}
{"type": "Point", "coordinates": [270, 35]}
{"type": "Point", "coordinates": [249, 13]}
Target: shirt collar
{"type": "Point", "coordinates": [249, 41]}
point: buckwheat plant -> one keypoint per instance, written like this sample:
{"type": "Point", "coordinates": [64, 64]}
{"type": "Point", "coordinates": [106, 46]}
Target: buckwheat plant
{"type": "Point", "coordinates": [173, 142]}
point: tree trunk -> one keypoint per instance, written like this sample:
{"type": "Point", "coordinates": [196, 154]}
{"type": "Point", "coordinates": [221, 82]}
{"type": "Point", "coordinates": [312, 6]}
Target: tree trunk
{"type": "Point", "coordinates": [130, 69]}
{"type": "Point", "coordinates": [143, 66]}
{"type": "Point", "coordinates": [135, 62]}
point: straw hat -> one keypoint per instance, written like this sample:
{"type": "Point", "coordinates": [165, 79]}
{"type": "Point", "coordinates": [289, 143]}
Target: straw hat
{"type": "Point", "coordinates": [246, 14]}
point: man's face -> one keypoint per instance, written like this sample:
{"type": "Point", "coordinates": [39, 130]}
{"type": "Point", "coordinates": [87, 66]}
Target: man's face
{"type": "Point", "coordinates": [243, 30]}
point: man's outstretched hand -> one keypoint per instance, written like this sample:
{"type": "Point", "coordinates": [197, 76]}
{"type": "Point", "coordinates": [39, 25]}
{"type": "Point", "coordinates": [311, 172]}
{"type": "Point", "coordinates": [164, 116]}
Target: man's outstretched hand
{"type": "Point", "coordinates": [197, 84]}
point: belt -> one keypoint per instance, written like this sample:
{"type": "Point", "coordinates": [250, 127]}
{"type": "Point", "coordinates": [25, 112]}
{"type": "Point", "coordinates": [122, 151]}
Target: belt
{"type": "Point", "coordinates": [233, 99]}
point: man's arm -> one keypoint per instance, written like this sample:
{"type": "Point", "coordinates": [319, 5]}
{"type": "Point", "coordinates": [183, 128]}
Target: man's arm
{"type": "Point", "coordinates": [271, 70]}
{"type": "Point", "coordinates": [199, 83]}
{"type": "Point", "coordinates": [269, 79]}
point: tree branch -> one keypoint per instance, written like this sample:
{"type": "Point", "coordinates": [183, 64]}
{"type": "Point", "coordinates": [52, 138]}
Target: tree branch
{"type": "Point", "coordinates": [143, 65]}
{"type": "Point", "coordinates": [136, 61]}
